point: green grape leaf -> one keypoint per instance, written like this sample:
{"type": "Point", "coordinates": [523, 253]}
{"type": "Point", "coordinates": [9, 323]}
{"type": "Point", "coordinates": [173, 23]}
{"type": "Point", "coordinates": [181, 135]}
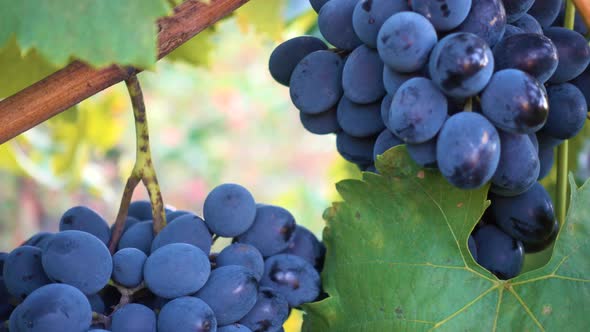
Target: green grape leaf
{"type": "Point", "coordinates": [197, 50]}
{"type": "Point", "coordinates": [98, 32]}
{"type": "Point", "coordinates": [265, 16]}
{"type": "Point", "coordinates": [397, 260]}
{"type": "Point", "coordinates": [20, 71]}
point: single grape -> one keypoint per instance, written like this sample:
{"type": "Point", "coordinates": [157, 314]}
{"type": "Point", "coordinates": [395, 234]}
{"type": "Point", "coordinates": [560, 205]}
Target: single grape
{"type": "Point", "coordinates": [186, 314]}
{"type": "Point", "coordinates": [316, 82]}
{"type": "Point", "coordinates": [369, 16]}
{"type": "Point", "coordinates": [175, 214]}
{"type": "Point", "coordinates": [528, 24]}
{"type": "Point", "coordinates": [515, 9]}
{"type": "Point", "coordinates": [82, 218]}
{"type": "Point", "coordinates": [385, 106]}
{"type": "Point", "coordinates": [573, 51]}
{"type": "Point", "coordinates": [362, 78]}
{"type": "Point", "coordinates": [418, 111]}
{"type": "Point", "coordinates": [230, 292]}
{"type": "Point", "coordinates": [546, 141]}
{"type": "Point", "coordinates": [355, 149]}
{"type": "Point", "coordinates": [79, 259]}
{"type": "Point", "coordinates": [23, 271]}
{"type": "Point", "coordinates": [53, 308]}
{"type": "Point", "coordinates": [38, 240]}
{"type": "Point", "coordinates": [229, 210]}
{"type": "Point", "coordinates": [486, 19]}
{"type": "Point", "coordinates": [335, 24]}
{"type": "Point", "coordinates": [546, 159]}
{"type": "Point", "coordinates": [292, 277]}
{"type": "Point", "coordinates": [527, 217]}
{"type": "Point", "coordinates": [359, 120]}
{"type": "Point", "coordinates": [498, 252]}
{"type": "Point", "coordinates": [385, 141]}
{"type": "Point", "coordinates": [307, 246]}
{"type": "Point", "coordinates": [189, 229]}
{"type": "Point", "coordinates": [320, 123]}
{"type": "Point", "coordinates": [444, 15]}
{"type": "Point", "coordinates": [519, 166]}
{"type": "Point", "coordinates": [128, 267]}
{"type": "Point", "coordinates": [532, 53]}
{"type": "Point", "coordinates": [532, 247]}
{"type": "Point", "coordinates": [133, 317]}
{"type": "Point", "coordinates": [582, 82]}
{"type": "Point", "coordinates": [516, 102]}
{"type": "Point", "coordinates": [139, 236]}
{"type": "Point", "coordinates": [233, 328]}
{"type": "Point", "coordinates": [545, 11]}
{"type": "Point", "coordinates": [141, 210]}
{"type": "Point", "coordinates": [533, 138]}
{"type": "Point", "coordinates": [392, 79]}
{"type": "Point", "coordinates": [511, 30]}
{"type": "Point", "coordinates": [287, 55]}
{"type": "Point", "coordinates": [176, 270]}
{"type": "Point", "coordinates": [472, 247]}
{"type": "Point", "coordinates": [5, 297]}
{"type": "Point", "coordinates": [568, 111]}
{"type": "Point", "coordinates": [96, 303]}
{"type": "Point", "coordinates": [468, 150]}
{"type": "Point", "coordinates": [461, 65]}
{"type": "Point", "coordinates": [424, 154]}
{"type": "Point", "coordinates": [269, 313]}
{"type": "Point", "coordinates": [405, 41]}
{"type": "Point", "coordinates": [244, 255]}
{"type": "Point", "coordinates": [272, 230]}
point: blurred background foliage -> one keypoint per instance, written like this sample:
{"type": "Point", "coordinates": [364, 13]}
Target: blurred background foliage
{"type": "Point", "coordinates": [215, 116]}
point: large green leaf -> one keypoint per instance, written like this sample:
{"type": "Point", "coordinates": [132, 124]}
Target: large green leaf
{"type": "Point", "coordinates": [98, 32]}
{"type": "Point", "coordinates": [397, 260]}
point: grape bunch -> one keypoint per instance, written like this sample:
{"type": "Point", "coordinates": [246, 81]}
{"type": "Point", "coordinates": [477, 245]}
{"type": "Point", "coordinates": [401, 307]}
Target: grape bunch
{"type": "Point", "coordinates": [167, 282]}
{"type": "Point", "coordinates": [482, 90]}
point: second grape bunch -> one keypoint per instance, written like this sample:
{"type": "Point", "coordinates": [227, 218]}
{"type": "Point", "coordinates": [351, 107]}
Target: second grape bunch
{"type": "Point", "coordinates": [167, 282]}
{"type": "Point", "coordinates": [482, 90]}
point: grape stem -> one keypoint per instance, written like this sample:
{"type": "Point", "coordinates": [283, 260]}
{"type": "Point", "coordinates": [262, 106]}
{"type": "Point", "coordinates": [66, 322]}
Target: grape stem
{"type": "Point", "coordinates": [143, 170]}
{"type": "Point", "coordinates": [562, 150]}
{"type": "Point", "coordinates": [126, 293]}
{"type": "Point", "coordinates": [101, 319]}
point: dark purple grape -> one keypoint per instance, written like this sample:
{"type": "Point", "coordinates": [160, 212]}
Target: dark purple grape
{"type": "Point", "coordinates": [498, 252]}
{"type": "Point", "coordinates": [461, 65]}
{"type": "Point", "coordinates": [573, 51]}
{"type": "Point", "coordinates": [361, 78]}
{"type": "Point", "coordinates": [335, 24]}
{"type": "Point", "coordinates": [568, 111]}
{"type": "Point", "coordinates": [527, 217]}
{"type": "Point", "coordinates": [321, 123]}
{"type": "Point", "coordinates": [530, 52]}
{"type": "Point", "coordinates": [516, 102]}
{"type": "Point", "coordinates": [528, 24]}
{"type": "Point", "coordinates": [287, 55]}
{"type": "Point", "coordinates": [487, 19]}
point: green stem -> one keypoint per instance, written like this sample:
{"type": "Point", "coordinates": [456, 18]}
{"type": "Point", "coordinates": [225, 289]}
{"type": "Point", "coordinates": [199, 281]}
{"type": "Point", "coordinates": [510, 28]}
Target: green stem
{"type": "Point", "coordinates": [143, 170]}
{"type": "Point", "coordinates": [562, 150]}
{"type": "Point", "coordinates": [144, 167]}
